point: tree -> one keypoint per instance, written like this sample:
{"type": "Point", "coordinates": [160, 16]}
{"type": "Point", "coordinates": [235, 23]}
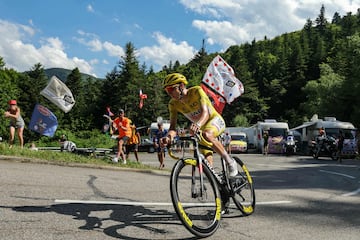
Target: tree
{"type": "Point", "coordinates": [129, 81]}
{"type": "Point", "coordinates": [322, 94]}
{"type": "Point", "coordinates": [321, 21]}
{"type": "Point", "coordinates": [75, 119]}
{"type": "Point", "coordinates": [8, 90]}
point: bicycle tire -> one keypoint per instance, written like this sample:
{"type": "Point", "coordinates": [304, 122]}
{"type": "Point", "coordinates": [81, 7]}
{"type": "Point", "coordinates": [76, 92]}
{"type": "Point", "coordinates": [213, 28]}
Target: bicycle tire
{"type": "Point", "coordinates": [200, 215]}
{"type": "Point", "coordinates": [244, 191]}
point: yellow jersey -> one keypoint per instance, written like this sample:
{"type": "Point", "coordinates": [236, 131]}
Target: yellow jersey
{"type": "Point", "coordinates": [192, 107]}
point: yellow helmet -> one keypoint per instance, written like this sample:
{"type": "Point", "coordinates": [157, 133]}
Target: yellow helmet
{"type": "Point", "coordinates": [174, 78]}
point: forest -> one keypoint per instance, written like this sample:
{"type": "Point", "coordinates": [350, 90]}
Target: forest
{"type": "Point", "coordinates": [291, 77]}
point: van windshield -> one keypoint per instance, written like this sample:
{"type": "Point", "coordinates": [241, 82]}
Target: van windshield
{"type": "Point", "coordinates": [334, 132]}
{"type": "Point", "coordinates": [238, 137]}
{"type": "Point", "coordinates": [275, 132]}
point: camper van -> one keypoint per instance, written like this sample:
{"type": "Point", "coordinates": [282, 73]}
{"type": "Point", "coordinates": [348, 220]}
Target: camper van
{"type": "Point", "coordinates": [277, 132]}
{"type": "Point", "coordinates": [309, 131]}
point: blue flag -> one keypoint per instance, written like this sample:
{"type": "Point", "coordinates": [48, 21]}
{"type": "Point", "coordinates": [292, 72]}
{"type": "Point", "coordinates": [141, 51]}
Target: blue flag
{"type": "Point", "coordinates": [43, 121]}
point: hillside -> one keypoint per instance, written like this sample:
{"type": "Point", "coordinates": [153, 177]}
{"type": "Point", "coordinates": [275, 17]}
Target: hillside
{"type": "Point", "coordinates": [62, 73]}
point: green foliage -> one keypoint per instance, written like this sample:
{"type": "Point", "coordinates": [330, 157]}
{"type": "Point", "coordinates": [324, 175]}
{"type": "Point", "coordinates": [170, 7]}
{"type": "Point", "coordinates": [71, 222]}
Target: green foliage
{"type": "Point", "coordinates": [241, 121]}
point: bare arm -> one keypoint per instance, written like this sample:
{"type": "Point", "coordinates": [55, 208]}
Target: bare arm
{"type": "Point", "coordinates": [204, 117]}
{"type": "Point", "coordinates": [15, 116]}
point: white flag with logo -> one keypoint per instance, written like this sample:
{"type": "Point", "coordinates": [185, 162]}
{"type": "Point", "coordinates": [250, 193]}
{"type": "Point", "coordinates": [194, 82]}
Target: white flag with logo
{"type": "Point", "coordinates": [220, 77]}
{"type": "Point", "coordinates": [59, 94]}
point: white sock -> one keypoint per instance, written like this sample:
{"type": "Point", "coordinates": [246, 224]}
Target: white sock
{"type": "Point", "coordinates": [233, 171]}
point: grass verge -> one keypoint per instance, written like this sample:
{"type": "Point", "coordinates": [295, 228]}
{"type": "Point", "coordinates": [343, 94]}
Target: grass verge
{"type": "Point", "coordinates": [65, 158]}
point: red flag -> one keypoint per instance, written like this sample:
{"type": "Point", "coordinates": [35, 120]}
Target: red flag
{"type": "Point", "coordinates": [216, 99]}
{"type": "Point", "coordinates": [142, 97]}
{"type": "Point", "coordinates": [110, 114]}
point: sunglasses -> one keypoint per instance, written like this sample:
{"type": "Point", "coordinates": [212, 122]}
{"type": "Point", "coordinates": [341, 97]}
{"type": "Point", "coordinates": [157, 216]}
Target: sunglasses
{"type": "Point", "coordinates": [170, 89]}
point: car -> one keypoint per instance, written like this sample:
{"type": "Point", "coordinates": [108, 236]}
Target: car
{"type": "Point", "coordinates": [146, 145]}
{"type": "Point", "coordinates": [238, 143]}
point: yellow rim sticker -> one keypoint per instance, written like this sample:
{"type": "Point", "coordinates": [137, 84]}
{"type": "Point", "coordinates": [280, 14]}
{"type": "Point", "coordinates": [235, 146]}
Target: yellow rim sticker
{"type": "Point", "coordinates": [184, 216]}
{"type": "Point", "coordinates": [247, 173]}
{"type": "Point", "coordinates": [218, 208]}
{"type": "Point", "coordinates": [248, 209]}
{"type": "Point", "coordinates": [190, 162]}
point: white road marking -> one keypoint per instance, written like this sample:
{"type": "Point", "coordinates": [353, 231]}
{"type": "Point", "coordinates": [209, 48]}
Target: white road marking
{"type": "Point", "coordinates": [351, 193]}
{"type": "Point", "coordinates": [344, 175]}
{"type": "Point", "coordinates": [68, 201]}
{"type": "Point", "coordinates": [337, 173]}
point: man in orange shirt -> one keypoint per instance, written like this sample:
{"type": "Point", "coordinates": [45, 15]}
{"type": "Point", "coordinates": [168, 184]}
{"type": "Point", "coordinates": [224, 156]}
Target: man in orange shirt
{"type": "Point", "coordinates": [121, 123]}
{"type": "Point", "coordinates": [133, 143]}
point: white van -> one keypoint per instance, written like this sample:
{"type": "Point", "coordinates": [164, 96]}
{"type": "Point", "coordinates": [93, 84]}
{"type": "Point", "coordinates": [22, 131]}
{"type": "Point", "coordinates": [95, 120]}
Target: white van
{"type": "Point", "coordinates": [277, 132]}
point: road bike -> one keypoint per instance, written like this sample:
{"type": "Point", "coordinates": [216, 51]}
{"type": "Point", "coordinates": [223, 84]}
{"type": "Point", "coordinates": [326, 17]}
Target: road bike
{"type": "Point", "coordinates": [200, 194]}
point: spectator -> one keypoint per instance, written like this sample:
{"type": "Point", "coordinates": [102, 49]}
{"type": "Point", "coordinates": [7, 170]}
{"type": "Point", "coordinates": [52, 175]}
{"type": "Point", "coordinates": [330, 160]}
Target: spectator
{"type": "Point", "coordinates": [133, 142]}
{"type": "Point", "coordinates": [122, 124]}
{"type": "Point", "coordinates": [62, 141]}
{"type": "Point", "coordinates": [320, 140]}
{"type": "Point", "coordinates": [16, 122]}
{"type": "Point", "coordinates": [227, 140]}
{"type": "Point", "coordinates": [340, 145]}
{"type": "Point", "coordinates": [160, 133]}
{"type": "Point", "coordinates": [266, 142]}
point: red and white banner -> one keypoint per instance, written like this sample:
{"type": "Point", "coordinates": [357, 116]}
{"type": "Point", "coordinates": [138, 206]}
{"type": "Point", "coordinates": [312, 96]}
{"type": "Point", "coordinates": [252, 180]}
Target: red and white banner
{"type": "Point", "coordinates": [220, 77]}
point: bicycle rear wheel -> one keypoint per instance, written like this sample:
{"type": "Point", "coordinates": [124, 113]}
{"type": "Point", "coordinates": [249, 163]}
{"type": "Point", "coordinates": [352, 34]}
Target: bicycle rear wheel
{"type": "Point", "coordinates": [199, 211]}
{"type": "Point", "coordinates": [243, 189]}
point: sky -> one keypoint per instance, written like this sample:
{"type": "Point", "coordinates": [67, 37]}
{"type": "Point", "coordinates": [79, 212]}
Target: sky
{"type": "Point", "coordinates": [91, 35]}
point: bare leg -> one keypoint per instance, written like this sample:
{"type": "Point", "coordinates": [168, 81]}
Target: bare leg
{"type": "Point", "coordinates": [12, 136]}
{"type": "Point", "coordinates": [136, 155]}
{"type": "Point", "coordinates": [21, 138]}
{"type": "Point", "coordinates": [161, 159]}
{"type": "Point", "coordinates": [219, 148]}
{"type": "Point", "coordinates": [121, 150]}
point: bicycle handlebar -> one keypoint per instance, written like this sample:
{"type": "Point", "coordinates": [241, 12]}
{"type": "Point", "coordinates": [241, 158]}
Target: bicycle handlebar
{"type": "Point", "coordinates": [195, 139]}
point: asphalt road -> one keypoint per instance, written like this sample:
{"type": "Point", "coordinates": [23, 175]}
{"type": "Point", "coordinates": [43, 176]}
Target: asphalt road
{"type": "Point", "coordinates": [297, 198]}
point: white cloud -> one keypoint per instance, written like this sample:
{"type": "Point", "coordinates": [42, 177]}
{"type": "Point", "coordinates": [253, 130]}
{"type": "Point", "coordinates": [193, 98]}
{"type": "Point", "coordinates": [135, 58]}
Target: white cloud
{"type": "Point", "coordinates": [113, 50]}
{"type": "Point", "coordinates": [89, 8]}
{"type": "Point", "coordinates": [167, 50]}
{"type": "Point", "coordinates": [93, 42]}
{"type": "Point", "coordinates": [22, 56]}
{"type": "Point", "coordinates": [227, 22]}
{"type": "Point", "coordinates": [224, 33]}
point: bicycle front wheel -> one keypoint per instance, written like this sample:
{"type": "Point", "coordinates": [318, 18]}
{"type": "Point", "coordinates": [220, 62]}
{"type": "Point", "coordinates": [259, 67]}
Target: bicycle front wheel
{"type": "Point", "coordinates": [243, 190]}
{"type": "Point", "coordinates": [197, 206]}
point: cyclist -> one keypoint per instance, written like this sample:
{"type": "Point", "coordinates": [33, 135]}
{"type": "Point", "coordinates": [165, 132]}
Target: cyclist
{"type": "Point", "coordinates": [195, 105]}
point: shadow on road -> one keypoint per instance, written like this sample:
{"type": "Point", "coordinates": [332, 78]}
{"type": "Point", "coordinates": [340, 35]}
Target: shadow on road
{"type": "Point", "coordinates": [135, 217]}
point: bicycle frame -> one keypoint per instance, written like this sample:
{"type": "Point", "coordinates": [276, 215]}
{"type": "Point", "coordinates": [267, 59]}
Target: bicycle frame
{"type": "Point", "coordinates": [222, 181]}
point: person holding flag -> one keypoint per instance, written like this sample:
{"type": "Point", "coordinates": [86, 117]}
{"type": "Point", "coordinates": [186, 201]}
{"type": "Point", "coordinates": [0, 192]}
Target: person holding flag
{"type": "Point", "coordinates": [195, 105]}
